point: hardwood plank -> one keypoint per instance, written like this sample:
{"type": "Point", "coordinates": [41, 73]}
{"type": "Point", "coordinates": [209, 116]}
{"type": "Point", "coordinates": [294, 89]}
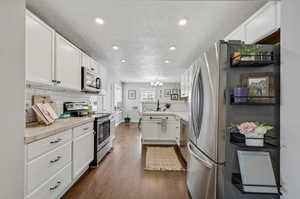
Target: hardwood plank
{"type": "Point", "coordinates": [121, 174]}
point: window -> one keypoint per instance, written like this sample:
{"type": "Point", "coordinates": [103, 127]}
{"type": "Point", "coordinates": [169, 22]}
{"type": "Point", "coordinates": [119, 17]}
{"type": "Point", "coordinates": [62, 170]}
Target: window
{"type": "Point", "coordinates": [147, 94]}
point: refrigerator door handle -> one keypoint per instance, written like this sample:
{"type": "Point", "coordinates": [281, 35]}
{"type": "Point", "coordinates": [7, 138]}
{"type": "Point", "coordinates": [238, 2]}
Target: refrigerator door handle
{"type": "Point", "coordinates": [192, 107]}
{"type": "Point", "coordinates": [205, 162]}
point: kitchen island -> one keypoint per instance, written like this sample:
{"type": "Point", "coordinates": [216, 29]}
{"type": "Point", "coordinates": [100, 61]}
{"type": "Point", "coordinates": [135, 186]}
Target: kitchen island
{"type": "Point", "coordinates": [161, 128]}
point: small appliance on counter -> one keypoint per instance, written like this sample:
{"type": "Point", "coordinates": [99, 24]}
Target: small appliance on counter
{"type": "Point", "coordinates": [76, 109]}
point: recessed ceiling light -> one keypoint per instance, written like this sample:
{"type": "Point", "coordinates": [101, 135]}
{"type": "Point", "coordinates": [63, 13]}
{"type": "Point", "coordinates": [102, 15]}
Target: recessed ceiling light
{"type": "Point", "coordinates": [167, 61]}
{"type": "Point", "coordinates": [99, 21]}
{"type": "Point", "coordinates": [182, 22]}
{"type": "Point", "coordinates": [172, 48]}
{"type": "Point", "coordinates": [115, 47]}
{"type": "Point", "coordinates": [123, 60]}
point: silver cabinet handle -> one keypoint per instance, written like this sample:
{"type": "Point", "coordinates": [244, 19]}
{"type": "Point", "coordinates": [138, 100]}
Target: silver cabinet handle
{"type": "Point", "coordinates": [56, 141]}
{"type": "Point", "coordinates": [56, 186]}
{"type": "Point", "coordinates": [86, 128]}
{"type": "Point", "coordinates": [57, 159]}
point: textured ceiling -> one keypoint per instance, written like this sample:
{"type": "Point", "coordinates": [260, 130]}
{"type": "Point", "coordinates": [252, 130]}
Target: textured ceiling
{"type": "Point", "coordinates": [144, 31]}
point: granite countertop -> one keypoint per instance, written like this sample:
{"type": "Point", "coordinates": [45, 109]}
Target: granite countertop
{"type": "Point", "coordinates": [182, 115]}
{"type": "Point", "coordinates": [35, 133]}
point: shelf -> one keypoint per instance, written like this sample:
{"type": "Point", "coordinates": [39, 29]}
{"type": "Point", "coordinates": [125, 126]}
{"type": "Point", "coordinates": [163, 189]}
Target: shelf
{"type": "Point", "coordinates": [259, 61]}
{"type": "Point", "coordinates": [270, 100]}
{"type": "Point", "coordinates": [244, 146]}
{"type": "Point", "coordinates": [237, 182]}
{"type": "Point", "coordinates": [238, 140]}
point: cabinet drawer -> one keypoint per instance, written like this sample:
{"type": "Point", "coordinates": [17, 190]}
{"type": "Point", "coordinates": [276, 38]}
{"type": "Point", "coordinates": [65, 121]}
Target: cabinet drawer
{"type": "Point", "coordinates": [45, 145]}
{"type": "Point", "coordinates": [42, 168]}
{"type": "Point", "coordinates": [54, 186]}
{"type": "Point", "coordinates": [78, 131]}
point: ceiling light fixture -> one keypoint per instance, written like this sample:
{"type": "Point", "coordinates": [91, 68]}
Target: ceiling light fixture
{"type": "Point", "coordinates": [156, 83]}
{"type": "Point", "coordinates": [182, 22]}
{"type": "Point", "coordinates": [99, 21]}
{"type": "Point", "coordinates": [115, 47]}
{"type": "Point", "coordinates": [123, 60]}
{"type": "Point", "coordinates": [172, 48]}
{"type": "Point", "coordinates": [167, 61]}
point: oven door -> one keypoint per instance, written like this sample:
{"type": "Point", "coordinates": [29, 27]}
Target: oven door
{"type": "Point", "coordinates": [103, 133]}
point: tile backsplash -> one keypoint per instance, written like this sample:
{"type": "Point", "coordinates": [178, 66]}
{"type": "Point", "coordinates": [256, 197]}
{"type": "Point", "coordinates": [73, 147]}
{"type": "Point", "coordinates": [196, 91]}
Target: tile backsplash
{"type": "Point", "coordinates": [59, 96]}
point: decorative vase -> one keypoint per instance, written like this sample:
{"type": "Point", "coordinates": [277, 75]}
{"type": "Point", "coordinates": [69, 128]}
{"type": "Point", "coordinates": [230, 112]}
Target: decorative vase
{"type": "Point", "coordinates": [254, 140]}
{"type": "Point", "coordinates": [240, 94]}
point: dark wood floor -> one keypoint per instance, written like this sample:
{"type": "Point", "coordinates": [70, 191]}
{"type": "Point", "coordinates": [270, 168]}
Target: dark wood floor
{"type": "Point", "coordinates": [121, 174]}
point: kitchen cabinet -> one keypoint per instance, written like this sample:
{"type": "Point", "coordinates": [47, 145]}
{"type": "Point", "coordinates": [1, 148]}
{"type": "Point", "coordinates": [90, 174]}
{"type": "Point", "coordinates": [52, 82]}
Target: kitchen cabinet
{"type": "Point", "coordinates": [54, 163]}
{"type": "Point", "coordinates": [238, 34]}
{"type": "Point", "coordinates": [153, 131]}
{"type": "Point", "coordinates": [83, 153]}
{"type": "Point", "coordinates": [186, 82]}
{"type": "Point", "coordinates": [119, 117]}
{"type": "Point", "coordinates": [39, 51]}
{"type": "Point", "coordinates": [68, 64]}
{"type": "Point", "coordinates": [112, 127]}
{"type": "Point", "coordinates": [260, 25]}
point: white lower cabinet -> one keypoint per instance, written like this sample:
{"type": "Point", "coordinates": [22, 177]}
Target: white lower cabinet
{"type": "Point", "coordinates": [47, 165]}
{"type": "Point", "coordinates": [54, 163]}
{"type": "Point", "coordinates": [83, 153]}
{"type": "Point", "coordinates": [154, 132]}
{"type": "Point", "coordinates": [53, 187]}
{"type": "Point", "coordinates": [112, 127]}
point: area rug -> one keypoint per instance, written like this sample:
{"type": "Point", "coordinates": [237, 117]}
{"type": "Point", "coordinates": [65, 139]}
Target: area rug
{"type": "Point", "coordinates": [162, 159]}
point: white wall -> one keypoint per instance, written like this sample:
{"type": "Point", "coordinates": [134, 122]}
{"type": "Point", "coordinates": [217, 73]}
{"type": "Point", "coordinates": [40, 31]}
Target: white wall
{"type": "Point", "coordinates": [12, 86]}
{"type": "Point", "coordinates": [128, 104]}
{"type": "Point", "coordinates": [290, 98]}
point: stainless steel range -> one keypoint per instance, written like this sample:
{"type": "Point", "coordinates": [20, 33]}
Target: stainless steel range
{"type": "Point", "coordinates": [102, 140]}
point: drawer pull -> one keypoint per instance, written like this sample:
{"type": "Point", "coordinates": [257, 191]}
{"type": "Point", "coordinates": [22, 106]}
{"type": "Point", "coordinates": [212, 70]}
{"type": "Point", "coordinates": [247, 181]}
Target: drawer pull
{"type": "Point", "coordinates": [56, 141]}
{"type": "Point", "coordinates": [57, 159]}
{"type": "Point", "coordinates": [56, 186]}
{"type": "Point", "coordinates": [86, 128]}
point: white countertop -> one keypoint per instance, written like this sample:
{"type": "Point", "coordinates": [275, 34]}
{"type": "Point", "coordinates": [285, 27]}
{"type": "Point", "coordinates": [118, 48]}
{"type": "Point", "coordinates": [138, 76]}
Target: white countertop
{"type": "Point", "coordinates": [182, 115]}
{"type": "Point", "coordinates": [35, 133]}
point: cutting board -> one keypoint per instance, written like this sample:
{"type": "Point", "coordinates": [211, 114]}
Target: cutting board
{"type": "Point", "coordinates": [36, 99]}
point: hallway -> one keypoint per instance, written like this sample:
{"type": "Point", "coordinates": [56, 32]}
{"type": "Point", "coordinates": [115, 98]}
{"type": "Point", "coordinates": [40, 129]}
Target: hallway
{"type": "Point", "coordinates": [121, 174]}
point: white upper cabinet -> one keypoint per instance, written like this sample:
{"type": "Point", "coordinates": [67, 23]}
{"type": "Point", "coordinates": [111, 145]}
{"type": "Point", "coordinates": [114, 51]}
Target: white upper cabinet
{"type": "Point", "coordinates": [238, 34]}
{"type": "Point", "coordinates": [68, 64]}
{"type": "Point", "coordinates": [85, 60]}
{"type": "Point", "coordinates": [39, 50]}
{"type": "Point", "coordinates": [263, 23]}
{"type": "Point", "coordinates": [260, 25]}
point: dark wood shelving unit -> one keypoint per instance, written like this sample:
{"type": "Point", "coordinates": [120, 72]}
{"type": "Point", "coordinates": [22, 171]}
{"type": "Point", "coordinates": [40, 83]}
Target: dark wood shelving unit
{"type": "Point", "coordinates": [263, 109]}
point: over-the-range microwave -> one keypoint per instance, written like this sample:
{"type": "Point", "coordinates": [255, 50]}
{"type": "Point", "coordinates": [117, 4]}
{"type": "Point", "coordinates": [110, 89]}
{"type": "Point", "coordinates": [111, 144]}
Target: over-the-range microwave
{"type": "Point", "coordinates": [90, 80]}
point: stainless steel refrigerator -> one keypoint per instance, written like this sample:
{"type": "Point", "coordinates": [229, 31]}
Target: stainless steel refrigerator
{"type": "Point", "coordinates": [207, 124]}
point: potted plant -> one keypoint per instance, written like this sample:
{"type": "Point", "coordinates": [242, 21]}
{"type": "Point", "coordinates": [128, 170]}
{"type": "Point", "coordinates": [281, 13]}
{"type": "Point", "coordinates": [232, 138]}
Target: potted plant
{"type": "Point", "coordinates": [254, 132]}
{"type": "Point", "coordinates": [240, 93]}
{"type": "Point", "coordinates": [127, 120]}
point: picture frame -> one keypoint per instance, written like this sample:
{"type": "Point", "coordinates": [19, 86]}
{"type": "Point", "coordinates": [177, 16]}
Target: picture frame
{"type": "Point", "coordinates": [261, 87]}
{"type": "Point", "coordinates": [175, 91]}
{"type": "Point", "coordinates": [131, 94]}
{"type": "Point", "coordinates": [174, 97]}
{"type": "Point", "coordinates": [167, 92]}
